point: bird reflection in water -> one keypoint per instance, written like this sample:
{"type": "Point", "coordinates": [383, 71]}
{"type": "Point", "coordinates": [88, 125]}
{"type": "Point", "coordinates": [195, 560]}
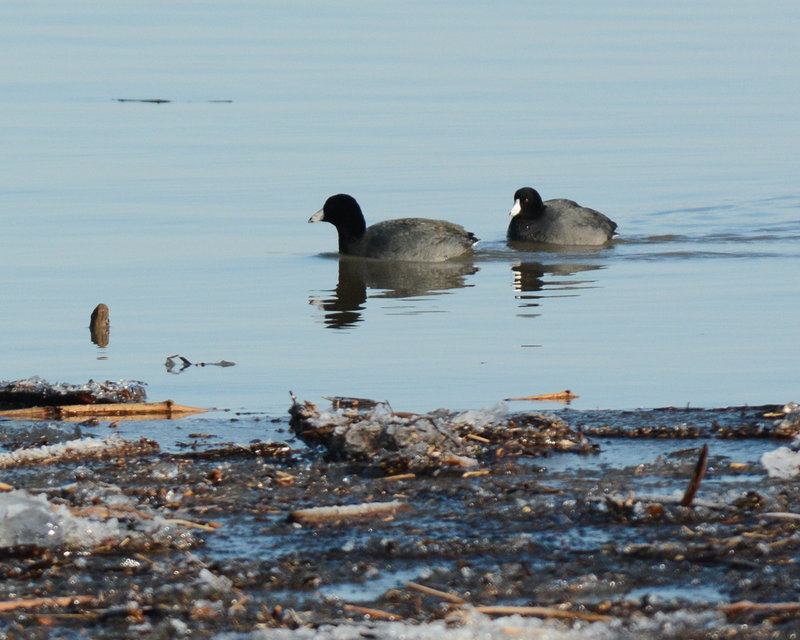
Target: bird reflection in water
{"type": "Point", "coordinates": [391, 279]}
{"type": "Point", "coordinates": [530, 282]}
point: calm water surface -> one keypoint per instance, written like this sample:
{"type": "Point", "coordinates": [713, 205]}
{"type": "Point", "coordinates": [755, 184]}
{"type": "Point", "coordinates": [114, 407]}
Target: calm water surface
{"type": "Point", "coordinates": [188, 218]}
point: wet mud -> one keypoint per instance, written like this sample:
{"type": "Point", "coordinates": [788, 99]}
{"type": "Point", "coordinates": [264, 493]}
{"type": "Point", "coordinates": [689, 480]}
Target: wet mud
{"type": "Point", "coordinates": [206, 541]}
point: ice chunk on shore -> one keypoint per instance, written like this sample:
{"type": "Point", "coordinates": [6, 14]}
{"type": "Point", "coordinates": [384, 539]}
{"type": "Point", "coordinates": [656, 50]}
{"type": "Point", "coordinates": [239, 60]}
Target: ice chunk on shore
{"type": "Point", "coordinates": [27, 519]}
{"type": "Point", "coordinates": [781, 462]}
{"type": "Point", "coordinates": [483, 417]}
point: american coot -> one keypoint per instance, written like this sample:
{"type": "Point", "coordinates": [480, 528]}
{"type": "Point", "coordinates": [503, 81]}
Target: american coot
{"type": "Point", "coordinates": [405, 239]}
{"type": "Point", "coordinates": [556, 221]}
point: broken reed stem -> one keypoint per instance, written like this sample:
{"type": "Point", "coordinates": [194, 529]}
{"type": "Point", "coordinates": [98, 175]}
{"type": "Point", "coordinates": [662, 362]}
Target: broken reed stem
{"type": "Point", "coordinates": [697, 476]}
{"type": "Point", "coordinates": [544, 612]}
{"type": "Point", "coordinates": [56, 601]}
{"type": "Point", "coordinates": [430, 591]}
{"type": "Point", "coordinates": [376, 614]}
{"type": "Point", "coordinates": [315, 515]}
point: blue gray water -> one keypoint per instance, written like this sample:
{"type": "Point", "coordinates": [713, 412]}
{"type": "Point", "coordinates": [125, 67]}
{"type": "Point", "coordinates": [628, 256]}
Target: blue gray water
{"type": "Point", "coordinates": [188, 218]}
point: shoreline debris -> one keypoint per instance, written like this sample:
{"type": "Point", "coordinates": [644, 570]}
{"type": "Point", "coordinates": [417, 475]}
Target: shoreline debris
{"type": "Point", "coordinates": [401, 442]}
{"type": "Point", "coordinates": [81, 449]}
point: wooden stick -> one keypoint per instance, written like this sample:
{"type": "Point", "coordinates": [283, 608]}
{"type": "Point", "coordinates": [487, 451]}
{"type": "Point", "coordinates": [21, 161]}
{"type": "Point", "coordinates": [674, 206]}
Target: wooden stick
{"type": "Point", "coordinates": [364, 510]}
{"type": "Point", "coordinates": [430, 591]}
{"type": "Point", "coordinates": [744, 606]}
{"type": "Point", "coordinates": [474, 474]}
{"type": "Point", "coordinates": [544, 612]}
{"type": "Point", "coordinates": [211, 526]}
{"type": "Point", "coordinates": [561, 396]}
{"type": "Point", "coordinates": [782, 515]}
{"type": "Point", "coordinates": [57, 601]}
{"type": "Point", "coordinates": [373, 613]}
{"type": "Point", "coordinates": [126, 410]}
{"type": "Point", "coordinates": [400, 476]}
{"type": "Point", "coordinates": [697, 476]}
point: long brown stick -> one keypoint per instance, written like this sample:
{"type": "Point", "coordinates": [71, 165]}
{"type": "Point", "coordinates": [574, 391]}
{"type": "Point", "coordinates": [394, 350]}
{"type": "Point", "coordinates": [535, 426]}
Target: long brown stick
{"type": "Point", "coordinates": [444, 595]}
{"type": "Point", "coordinates": [745, 605]}
{"type": "Point", "coordinates": [697, 476]}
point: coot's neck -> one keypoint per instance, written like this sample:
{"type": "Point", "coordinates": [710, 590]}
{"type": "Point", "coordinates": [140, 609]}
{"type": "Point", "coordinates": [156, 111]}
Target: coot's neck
{"type": "Point", "coordinates": [350, 232]}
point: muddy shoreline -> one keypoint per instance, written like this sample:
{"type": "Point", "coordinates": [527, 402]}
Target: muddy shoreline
{"type": "Point", "coordinates": [594, 531]}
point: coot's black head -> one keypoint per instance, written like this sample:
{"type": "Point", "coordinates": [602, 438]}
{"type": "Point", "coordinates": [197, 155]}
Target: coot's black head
{"type": "Point", "coordinates": [343, 212]}
{"type": "Point", "coordinates": [527, 202]}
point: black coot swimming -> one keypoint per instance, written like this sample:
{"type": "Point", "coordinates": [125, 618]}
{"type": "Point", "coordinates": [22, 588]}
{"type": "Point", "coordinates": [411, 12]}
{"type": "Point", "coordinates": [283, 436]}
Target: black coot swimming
{"type": "Point", "coordinates": [404, 239]}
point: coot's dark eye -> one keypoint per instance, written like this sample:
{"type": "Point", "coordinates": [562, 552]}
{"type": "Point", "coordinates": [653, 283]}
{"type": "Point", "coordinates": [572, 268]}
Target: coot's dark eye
{"type": "Point", "coordinates": [526, 200]}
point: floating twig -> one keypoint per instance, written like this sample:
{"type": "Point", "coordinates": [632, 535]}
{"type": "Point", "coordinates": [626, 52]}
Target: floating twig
{"type": "Point", "coordinates": [697, 476]}
{"type": "Point", "coordinates": [364, 510]}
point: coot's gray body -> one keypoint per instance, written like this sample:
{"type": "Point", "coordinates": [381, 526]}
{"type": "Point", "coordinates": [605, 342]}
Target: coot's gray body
{"type": "Point", "coordinates": [404, 239]}
{"type": "Point", "coordinates": [560, 222]}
